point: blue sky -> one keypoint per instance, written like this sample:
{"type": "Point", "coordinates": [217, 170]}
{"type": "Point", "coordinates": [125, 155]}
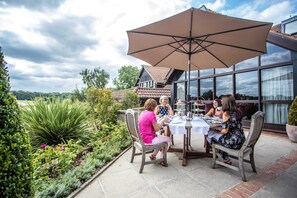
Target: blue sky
{"type": "Point", "coordinates": [46, 43]}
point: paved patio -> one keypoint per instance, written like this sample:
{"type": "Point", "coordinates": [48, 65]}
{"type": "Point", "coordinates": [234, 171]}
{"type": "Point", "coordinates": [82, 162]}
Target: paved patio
{"type": "Point", "coordinates": [275, 158]}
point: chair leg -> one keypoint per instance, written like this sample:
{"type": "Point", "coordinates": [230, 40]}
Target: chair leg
{"type": "Point", "coordinates": [172, 141]}
{"type": "Point", "coordinates": [252, 161]}
{"type": "Point", "coordinates": [133, 154]}
{"type": "Point", "coordinates": [165, 156]}
{"type": "Point", "coordinates": [214, 155]}
{"type": "Point", "coordinates": [241, 168]}
{"type": "Point", "coordinates": [142, 161]}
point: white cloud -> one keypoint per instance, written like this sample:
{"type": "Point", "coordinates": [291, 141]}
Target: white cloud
{"type": "Point", "coordinates": [217, 5]}
{"type": "Point", "coordinates": [274, 11]}
{"type": "Point", "coordinates": [47, 45]}
{"type": "Point", "coordinates": [44, 30]}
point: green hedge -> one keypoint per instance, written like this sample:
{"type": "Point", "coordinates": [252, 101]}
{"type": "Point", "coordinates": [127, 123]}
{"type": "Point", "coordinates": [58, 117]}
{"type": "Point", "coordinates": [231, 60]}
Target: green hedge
{"type": "Point", "coordinates": [15, 150]}
{"type": "Point", "coordinates": [292, 116]}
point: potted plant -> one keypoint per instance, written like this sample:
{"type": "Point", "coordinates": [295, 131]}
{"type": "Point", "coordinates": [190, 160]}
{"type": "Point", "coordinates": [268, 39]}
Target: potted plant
{"type": "Point", "coordinates": [291, 127]}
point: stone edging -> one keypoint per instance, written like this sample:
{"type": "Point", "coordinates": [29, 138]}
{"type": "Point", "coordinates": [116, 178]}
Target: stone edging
{"type": "Point", "coordinates": [84, 185]}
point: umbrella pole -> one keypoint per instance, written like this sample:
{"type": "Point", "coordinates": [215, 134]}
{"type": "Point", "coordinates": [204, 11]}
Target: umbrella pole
{"type": "Point", "coordinates": [188, 98]}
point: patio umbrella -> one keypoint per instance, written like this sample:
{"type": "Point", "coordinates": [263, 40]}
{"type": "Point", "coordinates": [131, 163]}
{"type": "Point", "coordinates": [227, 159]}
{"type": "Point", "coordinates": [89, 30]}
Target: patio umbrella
{"type": "Point", "coordinates": [197, 39]}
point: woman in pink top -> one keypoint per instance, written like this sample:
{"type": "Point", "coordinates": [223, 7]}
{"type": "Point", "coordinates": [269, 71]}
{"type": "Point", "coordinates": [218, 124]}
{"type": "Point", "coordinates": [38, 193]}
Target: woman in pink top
{"type": "Point", "coordinates": [148, 126]}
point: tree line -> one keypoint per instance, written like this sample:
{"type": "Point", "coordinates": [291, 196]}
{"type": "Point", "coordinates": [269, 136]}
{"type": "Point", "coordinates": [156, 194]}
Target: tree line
{"type": "Point", "coordinates": [92, 78]}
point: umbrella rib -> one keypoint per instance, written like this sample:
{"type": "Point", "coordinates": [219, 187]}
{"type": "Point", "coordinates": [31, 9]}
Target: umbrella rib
{"type": "Point", "coordinates": [157, 34]}
{"type": "Point", "coordinates": [164, 58]}
{"type": "Point", "coordinates": [159, 46]}
{"type": "Point", "coordinates": [235, 30]}
{"type": "Point", "coordinates": [199, 44]}
{"type": "Point", "coordinates": [215, 56]}
{"type": "Point", "coordinates": [181, 45]}
{"type": "Point", "coordinates": [234, 46]}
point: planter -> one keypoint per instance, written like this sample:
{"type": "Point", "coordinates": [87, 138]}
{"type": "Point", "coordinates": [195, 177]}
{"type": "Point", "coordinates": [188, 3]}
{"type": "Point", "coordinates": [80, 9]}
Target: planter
{"type": "Point", "coordinates": [292, 132]}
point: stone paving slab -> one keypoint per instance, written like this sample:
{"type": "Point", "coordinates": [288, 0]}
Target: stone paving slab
{"type": "Point", "coordinates": [274, 159]}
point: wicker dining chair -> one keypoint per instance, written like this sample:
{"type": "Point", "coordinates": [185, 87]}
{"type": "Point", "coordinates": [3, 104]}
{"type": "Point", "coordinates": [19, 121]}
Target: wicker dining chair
{"type": "Point", "coordinates": [247, 148]}
{"type": "Point", "coordinates": [138, 144]}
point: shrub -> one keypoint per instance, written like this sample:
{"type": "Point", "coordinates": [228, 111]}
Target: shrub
{"type": "Point", "coordinates": [51, 161]}
{"type": "Point", "coordinates": [130, 100]}
{"type": "Point", "coordinates": [292, 116]}
{"type": "Point", "coordinates": [55, 122]}
{"type": "Point", "coordinates": [15, 151]}
{"type": "Point", "coordinates": [103, 107]}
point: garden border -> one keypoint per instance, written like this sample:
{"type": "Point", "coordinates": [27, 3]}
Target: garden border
{"type": "Point", "coordinates": [84, 185]}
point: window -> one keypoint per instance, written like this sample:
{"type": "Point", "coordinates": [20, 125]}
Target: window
{"type": "Point", "coordinates": [247, 86]}
{"type": "Point", "coordinates": [206, 72]}
{"type": "Point", "coordinates": [247, 109]}
{"type": "Point", "coordinates": [276, 113]}
{"type": "Point", "coordinates": [194, 74]}
{"type": "Point", "coordinates": [291, 27]}
{"type": "Point", "coordinates": [182, 77]}
{"type": "Point", "coordinates": [222, 70]}
{"type": "Point", "coordinates": [194, 88]}
{"type": "Point", "coordinates": [206, 88]}
{"type": "Point", "coordinates": [180, 94]}
{"type": "Point", "coordinates": [277, 83]}
{"type": "Point", "coordinates": [275, 54]}
{"type": "Point", "coordinates": [249, 63]}
{"type": "Point", "coordinates": [223, 85]}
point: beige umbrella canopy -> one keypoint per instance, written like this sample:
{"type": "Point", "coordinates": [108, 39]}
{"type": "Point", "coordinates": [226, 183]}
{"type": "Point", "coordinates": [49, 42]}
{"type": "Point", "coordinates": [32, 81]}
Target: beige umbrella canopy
{"type": "Point", "coordinates": [197, 39]}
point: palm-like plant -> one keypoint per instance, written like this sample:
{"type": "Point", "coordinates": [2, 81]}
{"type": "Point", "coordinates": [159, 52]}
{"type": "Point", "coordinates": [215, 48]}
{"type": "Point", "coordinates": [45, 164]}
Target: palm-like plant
{"type": "Point", "coordinates": [54, 122]}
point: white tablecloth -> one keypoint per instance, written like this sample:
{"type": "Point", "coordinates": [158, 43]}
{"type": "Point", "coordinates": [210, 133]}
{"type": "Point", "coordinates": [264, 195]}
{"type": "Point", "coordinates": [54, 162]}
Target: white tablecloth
{"type": "Point", "coordinates": [178, 125]}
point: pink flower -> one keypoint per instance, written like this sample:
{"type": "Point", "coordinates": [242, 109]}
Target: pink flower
{"type": "Point", "coordinates": [43, 146]}
{"type": "Point", "coordinates": [62, 148]}
{"type": "Point", "coordinates": [54, 147]}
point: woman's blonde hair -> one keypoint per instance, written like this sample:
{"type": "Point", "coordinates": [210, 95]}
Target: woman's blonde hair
{"type": "Point", "coordinates": [161, 98]}
{"type": "Point", "coordinates": [150, 104]}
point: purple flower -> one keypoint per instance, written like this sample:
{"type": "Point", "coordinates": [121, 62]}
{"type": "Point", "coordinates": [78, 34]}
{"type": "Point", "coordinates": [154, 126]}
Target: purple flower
{"type": "Point", "coordinates": [43, 146]}
{"type": "Point", "coordinates": [54, 147]}
{"type": "Point", "coordinates": [62, 148]}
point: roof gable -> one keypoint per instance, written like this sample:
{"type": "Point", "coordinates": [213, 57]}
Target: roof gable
{"type": "Point", "coordinates": [157, 74]}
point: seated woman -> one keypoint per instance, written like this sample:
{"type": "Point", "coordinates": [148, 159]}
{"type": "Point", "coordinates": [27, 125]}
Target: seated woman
{"type": "Point", "coordinates": [148, 126]}
{"type": "Point", "coordinates": [164, 109]}
{"type": "Point", "coordinates": [217, 109]}
{"type": "Point", "coordinates": [232, 133]}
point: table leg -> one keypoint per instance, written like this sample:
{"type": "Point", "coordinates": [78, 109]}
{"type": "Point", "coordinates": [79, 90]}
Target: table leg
{"type": "Point", "coordinates": [206, 144]}
{"type": "Point", "coordinates": [184, 151]}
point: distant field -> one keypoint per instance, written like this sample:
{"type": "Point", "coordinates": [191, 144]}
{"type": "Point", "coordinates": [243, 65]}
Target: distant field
{"type": "Point", "coordinates": [23, 103]}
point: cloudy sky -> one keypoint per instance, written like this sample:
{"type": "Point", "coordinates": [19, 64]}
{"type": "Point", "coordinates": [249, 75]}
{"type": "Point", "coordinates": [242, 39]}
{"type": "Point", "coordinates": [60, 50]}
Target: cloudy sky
{"type": "Point", "coordinates": [46, 43]}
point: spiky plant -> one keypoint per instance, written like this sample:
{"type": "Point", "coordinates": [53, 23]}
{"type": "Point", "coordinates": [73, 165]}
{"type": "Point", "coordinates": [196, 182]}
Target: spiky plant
{"type": "Point", "coordinates": [55, 122]}
{"type": "Point", "coordinates": [15, 150]}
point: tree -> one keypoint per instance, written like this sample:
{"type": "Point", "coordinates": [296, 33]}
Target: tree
{"type": "Point", "coordinates": [15, 151]}
{"type": "Point", "coordinates": [97, 78]}
{"type": "Point", "coordinates": [130, 100]}
{"type": "Point", "coordinates": [127, 77]}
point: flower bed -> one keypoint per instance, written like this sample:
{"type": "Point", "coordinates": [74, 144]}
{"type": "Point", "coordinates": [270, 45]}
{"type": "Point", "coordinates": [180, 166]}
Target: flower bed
{"type": "Point", "coordinates": [61, 169]}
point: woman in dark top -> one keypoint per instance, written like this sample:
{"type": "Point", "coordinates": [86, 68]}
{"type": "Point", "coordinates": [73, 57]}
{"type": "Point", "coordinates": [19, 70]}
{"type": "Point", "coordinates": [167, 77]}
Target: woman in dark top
{"type": "Point", "coordinates": [216, 110]}
{"type": "Point", "coordinates": [233, 136]}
